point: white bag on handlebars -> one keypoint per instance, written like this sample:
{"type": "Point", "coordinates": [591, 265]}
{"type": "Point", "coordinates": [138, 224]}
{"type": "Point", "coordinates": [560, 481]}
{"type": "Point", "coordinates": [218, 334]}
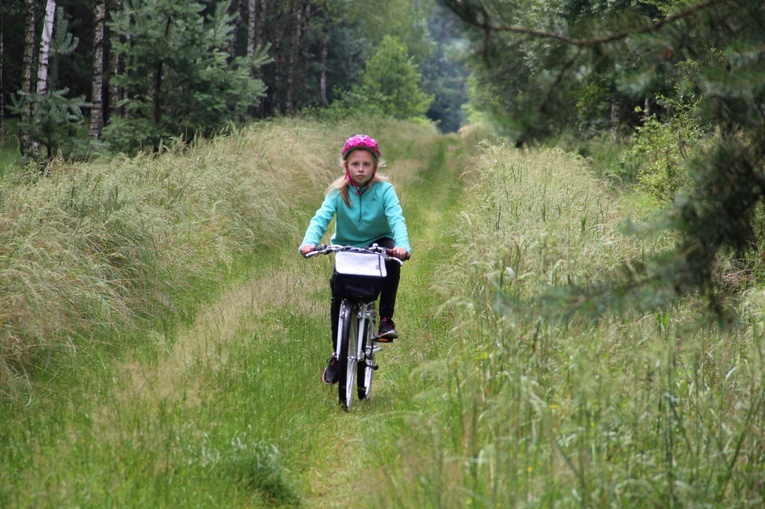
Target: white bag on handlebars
{"type": "Point", "coordinates": [360, 264]}
{"type": "Point", "coordinates": [358, 275]}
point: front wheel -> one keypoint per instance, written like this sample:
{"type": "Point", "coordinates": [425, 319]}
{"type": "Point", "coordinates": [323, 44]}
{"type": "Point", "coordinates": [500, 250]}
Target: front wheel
{"type": "Point", "coordinates": [367, 364]}
{"type": "Point", "coordinates": [347, 353]}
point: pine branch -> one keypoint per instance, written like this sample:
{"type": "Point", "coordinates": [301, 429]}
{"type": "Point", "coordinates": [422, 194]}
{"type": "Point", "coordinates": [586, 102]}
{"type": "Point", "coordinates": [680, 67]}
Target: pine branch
{"type": "Point", "coordinates": [480, 18]}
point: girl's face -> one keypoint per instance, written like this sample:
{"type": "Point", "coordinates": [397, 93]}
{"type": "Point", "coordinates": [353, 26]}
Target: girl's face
{"type": "Point", "coordinates": [361, 167]}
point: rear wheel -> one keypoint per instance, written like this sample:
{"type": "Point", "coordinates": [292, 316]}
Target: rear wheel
{"type": "Point", "coordinates": [347, 354]}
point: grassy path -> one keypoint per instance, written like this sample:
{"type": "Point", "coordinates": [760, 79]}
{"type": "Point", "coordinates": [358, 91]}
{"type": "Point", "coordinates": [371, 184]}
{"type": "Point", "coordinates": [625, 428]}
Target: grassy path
{"type": "Point", "coordinates": [429, 200]}
{"type": "Point", "coordinates": [231, 412]}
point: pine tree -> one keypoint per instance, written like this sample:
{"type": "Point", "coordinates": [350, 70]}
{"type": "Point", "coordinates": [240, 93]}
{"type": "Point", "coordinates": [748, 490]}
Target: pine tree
{"type": "Point", "coordinates": [178, 79]}
{"type": "Point", "coordinates": [390, 85]}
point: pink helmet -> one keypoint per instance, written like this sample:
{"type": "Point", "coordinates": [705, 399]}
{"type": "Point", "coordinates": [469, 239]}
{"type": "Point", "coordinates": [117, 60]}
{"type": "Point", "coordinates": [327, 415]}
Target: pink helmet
{"type": "Point", "coordinates": [361, 141]}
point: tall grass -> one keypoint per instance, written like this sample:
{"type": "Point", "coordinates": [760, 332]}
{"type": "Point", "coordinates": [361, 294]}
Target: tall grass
{"type": "Point", "coordinates": [112, 397]}
{"type": "Point", "coordinates": [116, 246]}
{"type": "Point", "coordinates": [10, 155]}
{"type": "Point", "coordinates": [655, 409]}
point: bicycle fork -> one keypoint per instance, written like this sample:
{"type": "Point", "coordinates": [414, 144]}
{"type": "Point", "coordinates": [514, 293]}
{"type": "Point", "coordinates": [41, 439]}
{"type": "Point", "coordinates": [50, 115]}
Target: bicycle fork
{"type": "Point", "coordinates": [367, 348]}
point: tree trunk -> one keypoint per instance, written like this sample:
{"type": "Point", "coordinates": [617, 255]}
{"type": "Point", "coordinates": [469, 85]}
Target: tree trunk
{"type": "Point", "coordinates": [304, 50]}
{"type": "Point", "coordinates": [96, 111]}
{"type": "Point", "coordinates": [2, 90]}
{"type": "Point", "coordinates": [260, 24]}
{"type": "Point", "coordinates": [296, 14]}
{"type": "Point", "coordinates": [158, 80]}
{"type": "Point", "coordinates": [616, 109]}
{"type": "Point", "coordinates": [252, 24]}
{"type": "Point", "coordinates": [232, 43]}
{"type": "Point", "coordinates": [278, 37]}
{"type": "Point", "coordinates": [323, 59]}
{"type": "Point", "coordinates": [42, 60]}
{"type": "Point", "coordinates": [260, 42]}
{"type": "Point", "coordinates": [26, 70]}
{"type": "Point", "coordinates": [295, 81]}
{"type": "Point", "coordinates": [115, 94]}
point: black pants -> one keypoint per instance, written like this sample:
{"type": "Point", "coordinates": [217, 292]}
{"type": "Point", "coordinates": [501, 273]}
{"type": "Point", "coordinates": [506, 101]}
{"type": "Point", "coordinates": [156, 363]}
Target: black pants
{"type": "Point", "coordinates": [387, 294]}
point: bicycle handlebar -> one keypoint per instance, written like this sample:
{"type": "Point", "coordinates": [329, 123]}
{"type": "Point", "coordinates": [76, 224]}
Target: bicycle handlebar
{"type": "Point", "coordinates": [373, 249]}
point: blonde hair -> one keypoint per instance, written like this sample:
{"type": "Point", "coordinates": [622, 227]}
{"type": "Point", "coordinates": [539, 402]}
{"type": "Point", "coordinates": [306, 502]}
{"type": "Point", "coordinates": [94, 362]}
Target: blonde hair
{"type": "Point", "coordinates": [341, 184]}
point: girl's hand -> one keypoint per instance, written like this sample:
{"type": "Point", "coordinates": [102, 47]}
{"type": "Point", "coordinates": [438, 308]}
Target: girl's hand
{"type": "Point", "coordinates": [399, 252]}
{"type": "Point", "coordinates": [306, 248]}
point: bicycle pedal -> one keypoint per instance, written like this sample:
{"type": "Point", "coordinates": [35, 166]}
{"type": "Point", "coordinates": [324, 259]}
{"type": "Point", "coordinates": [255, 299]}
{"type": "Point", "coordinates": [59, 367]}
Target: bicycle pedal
{"type": "Point", "coordinates": [377, 349]}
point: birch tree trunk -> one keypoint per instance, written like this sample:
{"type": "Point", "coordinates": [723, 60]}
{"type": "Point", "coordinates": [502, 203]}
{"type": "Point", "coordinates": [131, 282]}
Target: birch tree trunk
{"type": "Point", "coordinates": [42, 61]}
{"type": "Point", "coordinates": [26, 69]}
{"type": "Point", "coordinates": [97, 110]}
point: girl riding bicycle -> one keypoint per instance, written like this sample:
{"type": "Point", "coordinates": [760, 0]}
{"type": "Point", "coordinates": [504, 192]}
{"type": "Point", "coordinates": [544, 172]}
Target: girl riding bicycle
{"type": "Point", "coordinates": [368, 212]}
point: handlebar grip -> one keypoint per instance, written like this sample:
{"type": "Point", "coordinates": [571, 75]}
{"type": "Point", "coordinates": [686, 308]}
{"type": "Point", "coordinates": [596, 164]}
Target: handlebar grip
{"type": "Point", "coordinates": [317, 250]}
{"type": "Point", "coordinates": [388, 252]}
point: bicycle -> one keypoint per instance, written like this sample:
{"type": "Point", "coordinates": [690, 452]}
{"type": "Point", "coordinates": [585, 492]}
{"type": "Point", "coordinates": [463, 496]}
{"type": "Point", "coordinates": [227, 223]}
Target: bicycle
{"type": "Point", "coordinates": [359, 272]}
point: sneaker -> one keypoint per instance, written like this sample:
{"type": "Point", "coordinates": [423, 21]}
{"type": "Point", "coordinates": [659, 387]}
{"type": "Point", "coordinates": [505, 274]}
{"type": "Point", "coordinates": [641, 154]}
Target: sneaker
{"type": "Point", "coordinates": [330, 372]}
{"type": "Point", "coordinates": [387, 331]}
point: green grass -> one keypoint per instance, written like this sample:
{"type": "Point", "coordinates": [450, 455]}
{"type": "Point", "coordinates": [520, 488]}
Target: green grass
{"type": "Point", "coordinates": [205, 392]}
{"type": "Point", "coordinates": [9, 157]}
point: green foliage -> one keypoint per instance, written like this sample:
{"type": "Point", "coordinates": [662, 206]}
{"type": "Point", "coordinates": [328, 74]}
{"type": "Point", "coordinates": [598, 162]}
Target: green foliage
{"type": "Point", "coordinates": [55, 121]}
{"type": "Point", "coordinates": [660, 148]}
{"type": "Point", "coordinates": [390, 85]}
{"type": "Point", "coordinates": [177, 77]}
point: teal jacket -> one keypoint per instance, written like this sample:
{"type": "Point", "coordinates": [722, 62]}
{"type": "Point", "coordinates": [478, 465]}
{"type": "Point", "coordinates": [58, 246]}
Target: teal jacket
{"type": "Point", "coordinates": [373, 214]}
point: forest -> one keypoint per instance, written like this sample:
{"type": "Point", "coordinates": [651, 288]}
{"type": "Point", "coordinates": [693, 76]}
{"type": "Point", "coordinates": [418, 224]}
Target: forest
{"type": "Point", "coordinates": [82, 76]}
